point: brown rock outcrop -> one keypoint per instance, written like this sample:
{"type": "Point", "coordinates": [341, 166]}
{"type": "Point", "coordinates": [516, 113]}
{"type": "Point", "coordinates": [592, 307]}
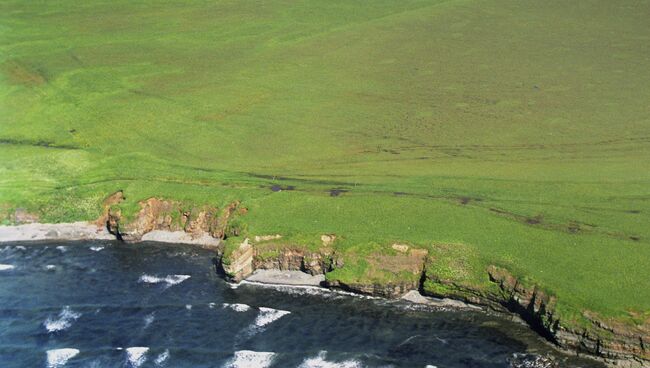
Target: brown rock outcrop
{"type": "Point", "coordinates": [239, 264]}
{"type": "Point", "coordinates": [618, 343]}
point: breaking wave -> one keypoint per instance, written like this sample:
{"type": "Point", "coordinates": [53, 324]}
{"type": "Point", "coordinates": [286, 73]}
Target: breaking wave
{"type": "Point", "coordinates": [6, 267]}
{"type": "Point", "coordinates": [136, 356]}
{"type": "Point", "coordinates": [269, 315]}
{"type": "Point", "coordinates": [250, 359]}
{"type": "Point", "coordinates": [170, 280]}
{"type": "Point", "coordinates": [162, 357]}
{"type": "Point", "coordinates": [320, 362]}
{"type": "Point", "coordinates": [58, 357]}
{"type": "Point", "coordinates": [66, 317]}
{"type": "Point", "coordinates": [148, 319]}
{"type": "Point", "coordinates": [237, 307]}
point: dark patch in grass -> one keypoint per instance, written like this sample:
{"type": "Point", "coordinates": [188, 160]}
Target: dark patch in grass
{"type": "Point", "coordinates": [635, 238]}
{"type": "Point", "coordinates": [633, 211]}
{"type": "Point", "coordinates": [534, 220]}
{"type": "Point", "coordinates": [279, 188]}
{"type": "Point", "coordinates": [20, 73]}
{"type": "Point", "coordinates": [149, 94]}
{"type": "Point", "coordinates": [39, 143]}
{"type": "Point", "coordinates": [299, 180]}
{"type": "Point", "coordinates": [400, 193]}
{"type": "Point", "coordinates": [464, 200]}
{"type": "Point", "coordinates": [337, 192]}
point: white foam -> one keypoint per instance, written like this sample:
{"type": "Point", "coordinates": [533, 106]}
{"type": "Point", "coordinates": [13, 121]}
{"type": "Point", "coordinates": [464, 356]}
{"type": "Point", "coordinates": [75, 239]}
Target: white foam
{"type": "Point", "coordinates": [58, 357]}
{"type": "Point", "coordinates": [148, 319]}
{"type": "Point", "coordinates": [62, 248]}
{"type": "Point", "coordinates": [268, 315]}
{"type": "Point", "coordinates": [305, 289]}
{"type": "Point", "coordinates": [430, 366]}
{"type": "Point", "coordinates": [320, 362]}
{"type": "Point", "coordinates": [50, 267]}
{"type": "Point", "coordinates": [211, 305]}
{"type": "Point", "coordinates": [162, 357]}
{"type": "Point", "coordinates": [188, 306]}
{"type": "Point", "coordinates": [20, 247]}
{"type": "Point", "coordinates": [6, 267]}
{"type": "Point", "coordinates": [169, 279]}
{"type": "Point", "coordinates": [97, 248]}
{"type": "Point", "coordinates": [237, 307]}
{"type": "Point", "coordinates": [250, 359]}
{"type": "Point", "coordinates": [136, 355]}
{"type": "Point", "coordinates": [66, 317]}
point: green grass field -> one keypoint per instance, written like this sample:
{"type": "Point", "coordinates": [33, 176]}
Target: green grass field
{"type": "Point", "coordinates": [520, 129]}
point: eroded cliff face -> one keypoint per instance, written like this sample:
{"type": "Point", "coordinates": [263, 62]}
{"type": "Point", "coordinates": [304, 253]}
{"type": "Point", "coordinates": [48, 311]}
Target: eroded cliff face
{"type": "Point", "coordinates": [622, 344]}
{"type": "Point", "coordinates": [389, 274]}
{"type": "Point", "coordinates": [157, 214]}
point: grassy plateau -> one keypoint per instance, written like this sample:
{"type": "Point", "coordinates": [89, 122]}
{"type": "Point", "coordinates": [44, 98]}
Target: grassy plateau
{"type": "Point", "coordinates": [517, 130]}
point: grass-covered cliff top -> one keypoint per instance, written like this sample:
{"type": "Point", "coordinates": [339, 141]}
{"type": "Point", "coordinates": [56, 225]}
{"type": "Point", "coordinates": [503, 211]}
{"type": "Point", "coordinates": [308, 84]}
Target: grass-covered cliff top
{"type": "Point", "coordinates": [519, 129]}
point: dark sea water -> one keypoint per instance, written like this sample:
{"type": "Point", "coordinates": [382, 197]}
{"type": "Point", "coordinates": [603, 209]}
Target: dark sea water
{"type": "Point", "coordinates": [106, 304]}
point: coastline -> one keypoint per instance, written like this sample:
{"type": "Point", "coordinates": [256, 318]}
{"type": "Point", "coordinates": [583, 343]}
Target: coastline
{"type": "Point", "coordinates": [290, 275]}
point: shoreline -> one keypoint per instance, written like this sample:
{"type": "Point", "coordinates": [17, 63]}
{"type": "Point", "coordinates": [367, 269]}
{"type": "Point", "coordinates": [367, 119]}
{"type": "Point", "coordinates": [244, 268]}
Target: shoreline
{"type": "Point", "coordinates": [73, 231]}
{"type": "Point", "coordinates": [89, 231]}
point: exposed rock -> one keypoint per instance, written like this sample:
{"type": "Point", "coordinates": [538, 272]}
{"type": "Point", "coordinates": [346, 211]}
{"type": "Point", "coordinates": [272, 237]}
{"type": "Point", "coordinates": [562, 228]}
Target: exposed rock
{"type": "Point", "coordinates": [402, 248]}
{"type": "Point", "coordinates": [261, 238]}
{"type": "Point", "coordinates": [614, 341]}
{"type": "Point", "coordinates": [240, 263]}
{"type": "Point", "coordinates": [292, 259]}
{"type": "Point", "coordinates": [390, 290]}
{"type": "Point", "coordinates": [219, 230]}
{"type": "Point", "coordinates": [22, 216]}
{"type": "Point", "coordinates": [327, 239]}
{"type": "Point", "coordinates": [380, 279]}
{"type": "Point", "coordinates": [165, 215]}
{"type": "Point", "coordinates": [111, 200]}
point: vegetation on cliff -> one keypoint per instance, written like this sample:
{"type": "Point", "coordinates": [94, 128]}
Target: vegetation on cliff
{"type": "Point", "coordinates": [491, 133]}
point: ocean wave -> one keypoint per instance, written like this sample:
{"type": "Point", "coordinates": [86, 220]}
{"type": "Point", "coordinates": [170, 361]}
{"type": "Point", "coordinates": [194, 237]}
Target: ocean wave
{"type": "Point", "coordinates": [250, 359]}
{"type": "Point", "coordinates": [237, 307]}
{"type": "Point", "coordinates": [269, 315]}
{"type": "Point", "coordinates": [188, 306]}
{"type": "Point", "coordinates": [162, 357]}
{"type": "Point", "coordinates": [306, 290]}
{"type": "Point", "coordinates": [6, 267]}
{"type": "Point", "coordinates": [58, 357]}
{"type": "Point", "coordinates": [148, 319]}
{"type": "Point", "coordinates": [136, 356]}
{"type": "Point", "coordinates": [62, 248]}
{"type": "Point", "coordinates": [170, 280]}
{"type": "Point", "coordinates": [97, 248]}
{"type": "Point", "coordinates": [50, 267]}
{"type": "Point", "coordinates": [66, 317]}
{"type": "Point", "coordinates": [320, 362]}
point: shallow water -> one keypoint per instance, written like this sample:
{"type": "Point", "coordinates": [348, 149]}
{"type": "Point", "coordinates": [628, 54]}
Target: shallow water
{"type": "Point", "coordinates": [106, 304]}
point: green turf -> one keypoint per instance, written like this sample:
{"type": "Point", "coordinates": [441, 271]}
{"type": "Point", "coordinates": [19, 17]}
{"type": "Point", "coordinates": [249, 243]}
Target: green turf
{"type": "Point", "coordinates": [520, 129]}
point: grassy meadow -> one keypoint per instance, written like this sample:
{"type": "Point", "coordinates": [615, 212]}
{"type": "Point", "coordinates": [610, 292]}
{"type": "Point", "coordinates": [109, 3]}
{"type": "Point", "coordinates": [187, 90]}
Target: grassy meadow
{"type": "Point", "coordinates": [518, 130]}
